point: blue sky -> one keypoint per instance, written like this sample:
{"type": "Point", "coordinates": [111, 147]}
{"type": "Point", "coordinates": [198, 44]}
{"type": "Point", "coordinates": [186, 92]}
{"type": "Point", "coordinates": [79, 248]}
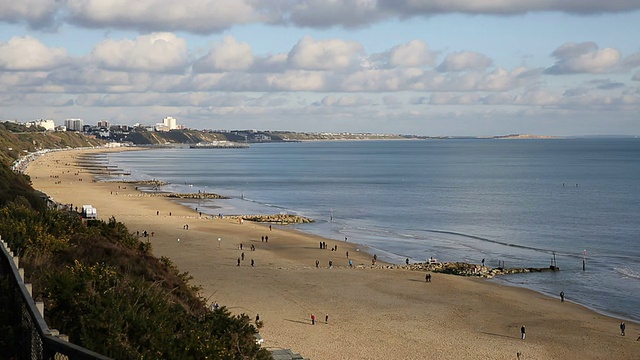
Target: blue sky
{"type": "Point", "coordinates": [430, 67]}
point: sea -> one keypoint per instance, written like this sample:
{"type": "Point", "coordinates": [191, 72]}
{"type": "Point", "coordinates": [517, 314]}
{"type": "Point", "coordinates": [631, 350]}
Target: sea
{"type": "Point", "coordinates": [573, 203]}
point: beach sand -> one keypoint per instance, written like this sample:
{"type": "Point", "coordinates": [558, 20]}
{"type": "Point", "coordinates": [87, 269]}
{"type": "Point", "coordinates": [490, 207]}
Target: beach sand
{"type": "Point", "coordinates": [374, 312]}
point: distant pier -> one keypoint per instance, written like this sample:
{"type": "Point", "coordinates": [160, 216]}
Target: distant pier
{"type": "Point", "coordinates": [219, 145]}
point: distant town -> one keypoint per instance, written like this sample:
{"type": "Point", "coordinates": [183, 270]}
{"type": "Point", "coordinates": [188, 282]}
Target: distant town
{"type": "Point", "coordinates": [169, 132]}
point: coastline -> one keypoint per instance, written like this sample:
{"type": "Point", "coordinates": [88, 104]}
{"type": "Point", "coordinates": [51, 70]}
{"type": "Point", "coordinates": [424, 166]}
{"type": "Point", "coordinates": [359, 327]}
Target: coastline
{"type": "Point", "coordinates": [373, 312]}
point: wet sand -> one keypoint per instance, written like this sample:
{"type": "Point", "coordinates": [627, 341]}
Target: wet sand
{"type": "Point", "coordinates": [374, 312]}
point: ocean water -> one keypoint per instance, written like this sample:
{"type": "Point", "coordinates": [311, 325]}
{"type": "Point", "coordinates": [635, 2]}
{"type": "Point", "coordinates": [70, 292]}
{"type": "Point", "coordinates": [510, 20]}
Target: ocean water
{"type": "Point", "coordinates": [517, 201]}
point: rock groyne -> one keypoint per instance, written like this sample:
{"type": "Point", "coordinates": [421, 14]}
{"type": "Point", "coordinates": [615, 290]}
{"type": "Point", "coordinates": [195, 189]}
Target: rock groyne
{"type": "Point", "coordinates": [200, 195]}
{"type": "Point", "coordinates": [273, 218]}
{"type": "Point", "coordinates": [466, 269]}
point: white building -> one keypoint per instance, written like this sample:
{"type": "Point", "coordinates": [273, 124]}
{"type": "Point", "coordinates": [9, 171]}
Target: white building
{"type": "Point", "coordinates": [47, 124]}
{"type": "Point", "coordinates": [167, 124]}
{"type": "Point", "coordinates": [170, 122]}
{"type": "Point", "coordinates": [74, 124]}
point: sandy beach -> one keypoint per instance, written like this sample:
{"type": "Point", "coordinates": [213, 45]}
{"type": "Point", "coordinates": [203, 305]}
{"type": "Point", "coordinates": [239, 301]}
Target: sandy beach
{"type": "Point", "coordinates": [373, 312]}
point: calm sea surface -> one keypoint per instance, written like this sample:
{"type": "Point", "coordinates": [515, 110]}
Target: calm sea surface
{"type": "Point", "coordinates": [517, 201]}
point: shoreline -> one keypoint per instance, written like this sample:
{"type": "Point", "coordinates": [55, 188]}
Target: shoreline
{"type": "Point", "coordinates": [374, 312]}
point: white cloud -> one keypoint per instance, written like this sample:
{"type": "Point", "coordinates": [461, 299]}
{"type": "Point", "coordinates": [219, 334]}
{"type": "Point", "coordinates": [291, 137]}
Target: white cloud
{"type": "Point", "coordinates": [632, 61]}
{"type": "Point", "coordinates": [537, 97]}
{"type": "Point", "coordinates": [454, 99]}
{"type": "Point", "coordinates": [271, 63]}
{"type": "Point", "coordinates": [463, 61]}
{"type": "Point", "coordinates": [27, 53]}
{"type": "Point", "coordinates": [156, 52]}
{"type": "Point", "coordinates": [333, 54]}
{"type": "Point", "coordinates": [636, 76]}
{"type": "Point", "coordinates": [215, 16]}
{"type": "Point", "coordinates": [51, 100]}
{"type": "Point", "coordinates": [198, 16]}
{"type": "Point", "coordinates": [37, 13]}
{"type": "Point", "coordinates": [415, 53]}
{"type": "Point", "coordinates": [584, 57]}
{"type": "Point", "coordinates": [322, 13]}
{"type": "Point", "coordinates": [345, 101]}
{"type": "Point", "coordinates": [504, 7]}
{"type": "Point", "coordinates": [389, 100]}
{"type": "Point", "coordinates": [503, 98]}
{"type": "Point", "coordinates": [21, 81]}
{"type": "Point", "coordinates": [296, 81]}
{"type": "Point", "coordinates": [230, 55]}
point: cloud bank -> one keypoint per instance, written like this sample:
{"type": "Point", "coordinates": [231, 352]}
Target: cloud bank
{"type": "Point", "coordinates": [215, 16]}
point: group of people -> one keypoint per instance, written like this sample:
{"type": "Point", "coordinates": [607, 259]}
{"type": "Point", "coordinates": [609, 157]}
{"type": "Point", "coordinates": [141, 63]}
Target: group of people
{"type": "Point", "coordinates": [253, 263]}
{"type": "Point", "coordinates": [144, 233]}
{"type": "Point", "coordinates": [313, 319]}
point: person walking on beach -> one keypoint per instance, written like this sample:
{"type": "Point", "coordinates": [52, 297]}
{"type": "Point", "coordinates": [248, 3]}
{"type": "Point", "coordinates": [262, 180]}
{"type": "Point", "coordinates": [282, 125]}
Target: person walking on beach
{"type": "Point", "coordinates": [238, 262]}
{"type": "Point", "coordinates": [347, 254]}
{"type": "Point", "coordinates": [622, 327]}
{"type": "Point", "coordinates": [326, 319]}
{"type": "Point", "coordinates": [317, 263]}
{"type": "Point", "coordinates": [522, 332]}
{"type": "Point", "coordinates": [252, 263]}
{"type": "Point", "coordinates": [242, 256]}
{"type": "Point", "coordinates": [561, 296]}
{"type": "Point", "coordinates": [313, 319]}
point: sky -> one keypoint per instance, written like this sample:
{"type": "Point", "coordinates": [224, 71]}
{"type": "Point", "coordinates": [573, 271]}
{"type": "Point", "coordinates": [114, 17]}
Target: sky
{"type": "Point", "coordinates": [422, 67]}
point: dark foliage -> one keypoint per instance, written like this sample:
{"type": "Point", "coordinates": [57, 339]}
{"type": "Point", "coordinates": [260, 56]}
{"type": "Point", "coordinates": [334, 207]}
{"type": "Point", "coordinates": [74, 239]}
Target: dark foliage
{"type": "Point", "coordinates": [103, 288]}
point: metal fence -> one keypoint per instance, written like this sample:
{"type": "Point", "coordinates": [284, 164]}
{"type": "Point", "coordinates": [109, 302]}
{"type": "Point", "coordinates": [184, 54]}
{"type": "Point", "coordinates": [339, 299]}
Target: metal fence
{"type": "Point", "coordinates": [32, 338]}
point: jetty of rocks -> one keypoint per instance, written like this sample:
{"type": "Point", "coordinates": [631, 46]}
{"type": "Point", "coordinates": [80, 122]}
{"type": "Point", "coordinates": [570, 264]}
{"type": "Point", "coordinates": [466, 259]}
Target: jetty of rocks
{"type": "Point", "coordinates": [201, 195]}
{"type": "Point", "coordinates": [140, 182]}
{"type": "Point", "coordinates": [466, 269]}
{"type": "Point", "coordinates": [273, 218]}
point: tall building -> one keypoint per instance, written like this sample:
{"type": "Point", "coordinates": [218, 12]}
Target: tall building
{"type": "Point", "coordinates": [103, 123]}
{"type": "Point", "coordinates": [170, 122]}
{"type": "Point", "coordinates": [73, 124]}
{"type": "Point", "coordinates": [167, 124]}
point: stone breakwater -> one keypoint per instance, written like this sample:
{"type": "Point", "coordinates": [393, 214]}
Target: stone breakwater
{"type": "Point", "coordinates": [466, 269]}
{"type": "Point", "coordinates": [273, 218]}
{"type": "Point", "coordinates": [192, 196]}
{"type": "Point", "coordinates": [141, 182]}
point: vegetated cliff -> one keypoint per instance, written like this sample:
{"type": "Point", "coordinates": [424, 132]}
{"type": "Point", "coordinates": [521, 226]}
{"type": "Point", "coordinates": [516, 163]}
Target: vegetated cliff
{"type": "Point", "coordinates": [100, 284]}
{"type": "Point", "coordinates": [16, 140]}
